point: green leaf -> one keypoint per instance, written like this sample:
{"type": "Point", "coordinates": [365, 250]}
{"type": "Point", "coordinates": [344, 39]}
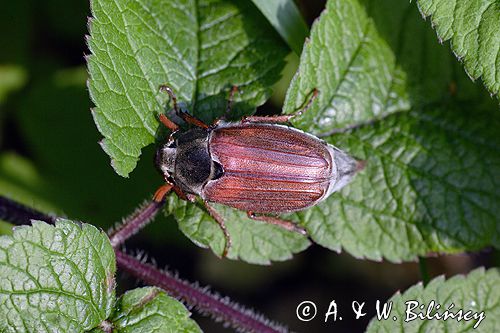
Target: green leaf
{"type": "Point", "coordinates": [252, 241]}
{"type": "Point", "coordinates": [352, 67]}
{"type": "Point", "coordinates": [474, 31]}
{"type": "Point", "coordinates": [55, 278]}
{"type": "Point", "coordinates": [477, 292]}
{"type": "Point", "coordinates": [408, 201]}
{"type": "Point", "coordinates": [151, 310]}
{"type": "Point", "coordinates": [200, 48]}
{"type": "Point", "coordinates": [431, 185]}
{"type": "Point", "coordinates": [285, 17]}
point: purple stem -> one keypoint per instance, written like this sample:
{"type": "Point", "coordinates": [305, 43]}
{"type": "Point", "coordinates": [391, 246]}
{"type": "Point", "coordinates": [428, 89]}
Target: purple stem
{"type": "Point", "coordinates": [135, 222]}
{"type": "Point", "coordinates": [220, 308]}
{"type": "Point", "coordinates": [19, 214]}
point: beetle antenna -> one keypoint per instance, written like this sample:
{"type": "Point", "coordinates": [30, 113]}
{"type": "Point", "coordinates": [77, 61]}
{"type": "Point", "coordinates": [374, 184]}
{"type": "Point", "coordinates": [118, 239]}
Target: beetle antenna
{"type": "Point", "coordinates": [170, 92]}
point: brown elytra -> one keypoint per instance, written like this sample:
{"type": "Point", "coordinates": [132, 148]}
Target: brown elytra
{"type": "Point", "coordinates": [268, 168]}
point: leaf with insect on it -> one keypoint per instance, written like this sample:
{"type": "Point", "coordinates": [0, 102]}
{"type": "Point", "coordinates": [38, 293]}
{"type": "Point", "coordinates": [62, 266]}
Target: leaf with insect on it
{"type": "Point", "coordinates": [55, 278]}
{"type": "Point", "coordinates": [145, 310]}
{"type": "Point", "coordinates": [232, 44]}
{"type": "Point", "coordinates": [200, 48]}
{"type": "Point", "coordinates": [260, 243]}
{"type": "Point", "coordinates": [408, 220]}
{"type": "Point", "coordinates": [429, 184]}
{"type": "Point", "coordinates": [476, 292]}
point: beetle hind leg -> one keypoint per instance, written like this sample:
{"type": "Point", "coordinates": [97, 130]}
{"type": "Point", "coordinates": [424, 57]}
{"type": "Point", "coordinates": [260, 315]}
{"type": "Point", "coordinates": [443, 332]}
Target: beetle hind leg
{"type": "Point", "coordinates": [285, 224]}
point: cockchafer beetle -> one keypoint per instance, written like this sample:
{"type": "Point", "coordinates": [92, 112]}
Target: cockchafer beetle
{"type": "Point", "coordinates": [255, 165]}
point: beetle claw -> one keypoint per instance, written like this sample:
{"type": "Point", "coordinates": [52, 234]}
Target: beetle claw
{"type": "Point", "coordinates": [300, 230]}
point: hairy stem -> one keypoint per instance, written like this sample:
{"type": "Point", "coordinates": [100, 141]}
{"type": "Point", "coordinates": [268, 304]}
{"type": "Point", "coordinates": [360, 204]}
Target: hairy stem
{"type": "Point", "coordinates": [19, 214]}
{"type": "Point", "coordinates": [135, 222]}
{"type": "Point", "coordinates": [205, 302]}
{"type": "Point", "coordinates": [220, 308]}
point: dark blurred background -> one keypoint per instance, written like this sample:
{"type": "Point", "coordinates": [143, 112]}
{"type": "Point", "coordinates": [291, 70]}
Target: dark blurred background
{"type": "Point", "coordinates": [50, 159]}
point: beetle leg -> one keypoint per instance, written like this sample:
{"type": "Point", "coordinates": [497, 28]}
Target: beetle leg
{"type": "Point", "coordinates": [185, 116]}
{"type": "Point", "coordinates": [162, 191]}
{"type": "Point", "coordinates": [168, 123]}
{"type": "Point", "coordinates": [283, 118]}
{"type": "Point", "coordinates": [222, 225]}
{"type": "Point", "coordinates": [180, 193]}
{"type": "Point", "coordinates": [192, 120]}
{"type": "Point", "coordinates": [288, 225]}
{"type": "Point", "coordinates": [234, 89]}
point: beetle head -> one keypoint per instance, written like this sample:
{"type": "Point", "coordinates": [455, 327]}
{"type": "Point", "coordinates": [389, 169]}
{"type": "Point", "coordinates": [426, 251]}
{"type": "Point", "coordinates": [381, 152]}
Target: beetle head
{"type": "Point", "coordinates": [165, 159]}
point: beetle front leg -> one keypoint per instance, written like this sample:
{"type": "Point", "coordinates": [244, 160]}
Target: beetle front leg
{"type": "Point", "coordinates": [184, 115]}
{"type": "Point", "coordinates": [168, 123]}
{"type": "Point", "coordinates": [222, 225]}
{"type": "Point", "coordinates": [288, 225]}
{"type": "Point", "coordinates": [162, 192]}
{"type": "Point", "coordinates": [284, 118]}
{"type": "Point", "coordinates": [193, 120]}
